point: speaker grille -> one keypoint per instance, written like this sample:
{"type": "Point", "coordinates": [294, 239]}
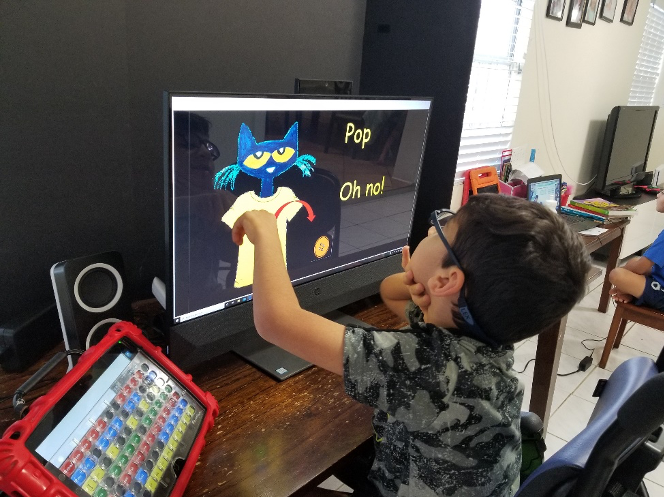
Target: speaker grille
{"type": "Point", "coordinates": [97, 288]}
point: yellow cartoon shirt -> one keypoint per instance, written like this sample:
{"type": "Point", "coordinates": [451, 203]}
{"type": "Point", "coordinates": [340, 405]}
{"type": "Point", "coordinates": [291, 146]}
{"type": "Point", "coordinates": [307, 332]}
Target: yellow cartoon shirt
{"type": "Point", "coordinates": [283, 197]}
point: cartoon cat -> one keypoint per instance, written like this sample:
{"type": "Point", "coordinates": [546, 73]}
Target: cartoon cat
{"type": "Point", "coordinates": [265, 160]}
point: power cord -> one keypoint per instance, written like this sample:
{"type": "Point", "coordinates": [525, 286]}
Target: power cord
{"type": "Point", "coordinates": [20, 407]}
{"type": "Point", "coordinates": [526, 366]}
{"type": "Point", "coordinates": [584, 364]}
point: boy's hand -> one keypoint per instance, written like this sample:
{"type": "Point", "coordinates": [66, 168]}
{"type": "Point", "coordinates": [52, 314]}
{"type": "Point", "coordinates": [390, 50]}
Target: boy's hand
{"type": "Point", "coordinates": [254, 224]}
{"type": "Point", "coordinates": [417, 290]}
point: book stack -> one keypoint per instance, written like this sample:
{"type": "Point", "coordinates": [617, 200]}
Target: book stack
{"type": "Point", "coordinates": [599, 209]}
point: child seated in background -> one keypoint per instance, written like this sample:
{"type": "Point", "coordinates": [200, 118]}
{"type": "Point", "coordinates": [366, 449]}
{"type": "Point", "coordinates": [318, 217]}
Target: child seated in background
{"type": "Point", "coordinates": [447, 404]}
{"type": "Point", "coordinates": [642, 278]}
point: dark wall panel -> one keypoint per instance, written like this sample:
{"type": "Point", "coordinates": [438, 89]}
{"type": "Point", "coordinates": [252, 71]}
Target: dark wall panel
{"type": "Point", "coordinates": [81, 114]}
{"type": "Point", "coordinates": [424, 48]}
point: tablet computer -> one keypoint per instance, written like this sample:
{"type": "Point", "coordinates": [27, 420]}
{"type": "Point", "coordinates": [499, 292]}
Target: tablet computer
{"type": "Point", "coordinates": [124, 422]}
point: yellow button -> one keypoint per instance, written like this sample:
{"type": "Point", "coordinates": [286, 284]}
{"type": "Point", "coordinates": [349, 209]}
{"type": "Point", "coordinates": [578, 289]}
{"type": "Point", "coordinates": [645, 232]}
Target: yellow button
{"type": "Point", "coordinates": [97, 474]}
{"type": "Point", "coordinates": [177, 436]}
{"type": "Point", "coordinates": [89, 486]}
{"type": "Point", "coordinates": [132, 422]}
{"type": "Point", "coordinates": [167, 454]}
{"type": "Point", "coordinates": [172, 444]}
{"type": "Point", "coordinates": [113, 451]}
{"type": "Point", "coordinates": [151, 484]}
{"type": "Point", "coordinates": [154, 389]}
{"type": "Point", "coordinates": [189, 410]}
{"type": "Point", "coordinates": [181, 427]}
{"type": "Point", "coordinates": [157, 473]}
{"type": "Point", "coordinates": [143, 405]}
{"type": "Point", "coordinates": [162, 463]}
{"type": "Point", "coordinates": [186, 419]}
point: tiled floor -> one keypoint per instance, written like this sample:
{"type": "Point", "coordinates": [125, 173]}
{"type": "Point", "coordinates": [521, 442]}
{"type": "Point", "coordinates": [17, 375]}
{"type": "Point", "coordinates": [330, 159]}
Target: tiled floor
{"type": "Point", "coordinates": [572, 399]}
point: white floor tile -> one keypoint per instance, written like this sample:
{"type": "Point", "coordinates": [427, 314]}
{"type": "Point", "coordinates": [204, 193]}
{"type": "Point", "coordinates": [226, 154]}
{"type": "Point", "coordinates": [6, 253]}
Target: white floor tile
{"type": "Point", "coordinates": [654, 490]}
{"type": "Point", "coordinates": [644, 339]}
{"type": "Point", "coordinates": [570, 418]}
{"type": "Point", "coordinates": [618, 356]}
{"type": "Point", "coordinates": [587, 387]}
{"type": "Point", "coordinates": [577, 342]}
{"type": "Point", "coordinates": [569, 383]}
{"type": "Point", "coordinates": [333, 483]}
{"type": "Point", "coordinates": [657, 476]}
{"type": "Point", "coordinates": [553, 445]}
{"type": "Point", "coordinates": [525, 351]}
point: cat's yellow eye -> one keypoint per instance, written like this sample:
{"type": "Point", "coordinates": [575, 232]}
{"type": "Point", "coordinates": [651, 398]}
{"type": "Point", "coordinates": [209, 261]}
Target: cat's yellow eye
{"type": "Point", "coordinates": [283, 154]}
{"type": "Point", "coordinates": [256, 160]}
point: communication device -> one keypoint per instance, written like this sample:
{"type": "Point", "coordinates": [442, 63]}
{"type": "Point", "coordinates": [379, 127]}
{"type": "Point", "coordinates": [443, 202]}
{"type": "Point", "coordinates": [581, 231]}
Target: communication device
{"type": "Point", "coordinates": [124, 421]}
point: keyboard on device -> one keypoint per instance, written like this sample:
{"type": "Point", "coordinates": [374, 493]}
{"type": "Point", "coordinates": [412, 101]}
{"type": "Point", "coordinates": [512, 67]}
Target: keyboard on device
{"type": "Point", "coordinates": [579, 223]}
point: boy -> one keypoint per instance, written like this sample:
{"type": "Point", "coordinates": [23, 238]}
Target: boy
{"type": "Point", "coordinates": [642, 278]}
{"type": "Point", "coordinates": [446, 404]}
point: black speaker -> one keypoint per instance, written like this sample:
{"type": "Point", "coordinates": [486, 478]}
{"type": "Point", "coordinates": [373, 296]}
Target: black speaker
{"type": "Point", "coordinates": [90, 295]}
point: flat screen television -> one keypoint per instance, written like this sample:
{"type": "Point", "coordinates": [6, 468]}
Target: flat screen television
{"type": "Point", "coordinates": [340, 173]}
{"type": "Point", "coordinates": [625, 147]}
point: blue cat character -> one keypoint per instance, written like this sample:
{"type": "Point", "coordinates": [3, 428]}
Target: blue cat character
{"type": "Point", "coordinates": [265, 160]}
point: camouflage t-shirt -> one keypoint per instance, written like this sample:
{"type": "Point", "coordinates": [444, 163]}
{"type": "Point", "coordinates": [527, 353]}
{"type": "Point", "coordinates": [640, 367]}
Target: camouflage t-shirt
{"type": "Point", "coordinates": [447, 410]}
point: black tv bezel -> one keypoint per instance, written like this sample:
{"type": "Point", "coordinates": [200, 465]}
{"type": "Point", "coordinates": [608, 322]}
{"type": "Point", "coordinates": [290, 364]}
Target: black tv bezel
{"type": "Point", "coordinates": [608, 142]}
{"type": "Point", "coordinates": [196, 341]}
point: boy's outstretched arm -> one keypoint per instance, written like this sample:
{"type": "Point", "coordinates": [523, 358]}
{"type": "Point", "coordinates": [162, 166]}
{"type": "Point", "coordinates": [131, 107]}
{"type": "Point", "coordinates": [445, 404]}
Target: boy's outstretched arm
{"type": "Point", "coordinates": [278, 316]}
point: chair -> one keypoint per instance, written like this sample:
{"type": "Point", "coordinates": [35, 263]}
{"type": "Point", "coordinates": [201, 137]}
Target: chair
{"type": "Point", "coordinates": [621, 443]}
{"type": "Point", "coordinates": [629, 312]}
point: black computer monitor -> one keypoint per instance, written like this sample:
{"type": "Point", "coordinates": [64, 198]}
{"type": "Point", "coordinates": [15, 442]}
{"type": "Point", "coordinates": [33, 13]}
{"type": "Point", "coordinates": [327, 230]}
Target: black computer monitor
{"type": "Point", "coordinates": [625, 148]}
{"type": "Point", "coordinates": [343, 192]}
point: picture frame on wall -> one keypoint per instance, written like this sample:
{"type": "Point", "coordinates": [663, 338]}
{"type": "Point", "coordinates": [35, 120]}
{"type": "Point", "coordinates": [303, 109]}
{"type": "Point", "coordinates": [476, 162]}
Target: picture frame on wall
{"type": "Point", "coordinates": [608, 10]}
{"type": "Point", "coordinates": [592, 11]}
{"type": "Point", "coordinates": [555, 9]}
{"type": "Point", "coordinates": [576, 13]}
{"type": "Point", "coordinates": [629, 12]}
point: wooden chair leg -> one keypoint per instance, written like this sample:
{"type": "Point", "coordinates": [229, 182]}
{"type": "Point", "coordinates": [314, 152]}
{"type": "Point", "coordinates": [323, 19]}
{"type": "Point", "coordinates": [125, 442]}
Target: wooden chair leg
{"type": "Point", "coordinates": [621, 332]}
{"type": "Point", "coordinates": [611, 338]}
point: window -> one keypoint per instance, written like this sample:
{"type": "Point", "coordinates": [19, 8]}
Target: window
{"type": "Point", "coordinates": [495, 81]}
{"type": "Point", "coordinates": [649, 61]}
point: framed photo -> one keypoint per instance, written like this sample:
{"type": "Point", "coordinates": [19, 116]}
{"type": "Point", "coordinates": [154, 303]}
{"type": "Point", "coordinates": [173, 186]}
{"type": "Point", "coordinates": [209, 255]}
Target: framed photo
{"type": "Point", "coordinates": [576, 12]}
{"type": "Point", "coordinates": [592, 10]}
{"type": "Point", "coordinates": [629, 12]}
{"type": "Point", "coordinates": [608, 10]}
{"type": "Point", "coordinates": [555, 9]}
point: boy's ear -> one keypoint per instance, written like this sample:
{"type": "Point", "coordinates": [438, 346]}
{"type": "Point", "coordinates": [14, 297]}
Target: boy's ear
{"type": "Point", "coordinates": [446, 282]}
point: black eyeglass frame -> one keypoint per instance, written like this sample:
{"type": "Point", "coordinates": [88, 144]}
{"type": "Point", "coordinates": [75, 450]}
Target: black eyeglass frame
{"type": "Point", "coordinates": [464, 310]}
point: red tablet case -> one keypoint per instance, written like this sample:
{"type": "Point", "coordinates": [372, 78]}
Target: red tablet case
{"type": "Point", "coordinates": [22, 474]}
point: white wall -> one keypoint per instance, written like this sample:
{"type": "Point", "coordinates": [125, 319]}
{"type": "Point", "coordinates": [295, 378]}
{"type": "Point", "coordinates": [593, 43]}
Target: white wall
{"type": "Point", "coordinates": [572, 79]}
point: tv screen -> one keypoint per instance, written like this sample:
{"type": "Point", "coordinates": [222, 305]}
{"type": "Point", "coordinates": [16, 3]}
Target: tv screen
{"type": "Point", "coordinates": [625, 149]}
{"type": "Point", "coordinates": [340, 174]}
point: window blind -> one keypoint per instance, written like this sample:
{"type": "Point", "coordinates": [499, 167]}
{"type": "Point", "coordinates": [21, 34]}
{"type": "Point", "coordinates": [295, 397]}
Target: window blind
{"type": "Point", "coordinates": [649, 60]}
{"type": "Point", "coordinates": [495, 81]}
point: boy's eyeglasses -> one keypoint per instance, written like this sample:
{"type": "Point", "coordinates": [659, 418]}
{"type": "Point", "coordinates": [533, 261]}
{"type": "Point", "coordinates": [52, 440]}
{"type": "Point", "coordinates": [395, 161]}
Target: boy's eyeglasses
{"type": "Point", "coordinates": [438, 219]}
{"type": "Point", "coordinates": [194, 143]}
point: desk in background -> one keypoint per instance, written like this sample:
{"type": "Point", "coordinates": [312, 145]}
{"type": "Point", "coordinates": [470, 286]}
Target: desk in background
{"type": "Point", "coordinates": [550, 341]}
{"type": "Point", "coordinates": [276, 439]}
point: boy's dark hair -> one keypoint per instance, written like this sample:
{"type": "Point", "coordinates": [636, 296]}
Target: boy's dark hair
{"type": "Point", "coordinates": [525, 268]}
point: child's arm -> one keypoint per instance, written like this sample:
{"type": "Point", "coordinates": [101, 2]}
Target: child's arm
{"type": "Point", "coordinates": [639, 265]}
{"type": "Point", "coordinates": [397, 290]}
{"type": "Point", "coordinates": [278, 316]}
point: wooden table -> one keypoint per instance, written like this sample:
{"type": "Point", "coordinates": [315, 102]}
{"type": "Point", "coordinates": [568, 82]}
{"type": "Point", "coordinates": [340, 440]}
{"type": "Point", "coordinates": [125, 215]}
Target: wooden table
{"type": "Point", "coordinates": [277, 438]}
{"type": "Point", "coordinates": [550, 341]}
{"type": "Point", "coordinates": [270, 438]}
